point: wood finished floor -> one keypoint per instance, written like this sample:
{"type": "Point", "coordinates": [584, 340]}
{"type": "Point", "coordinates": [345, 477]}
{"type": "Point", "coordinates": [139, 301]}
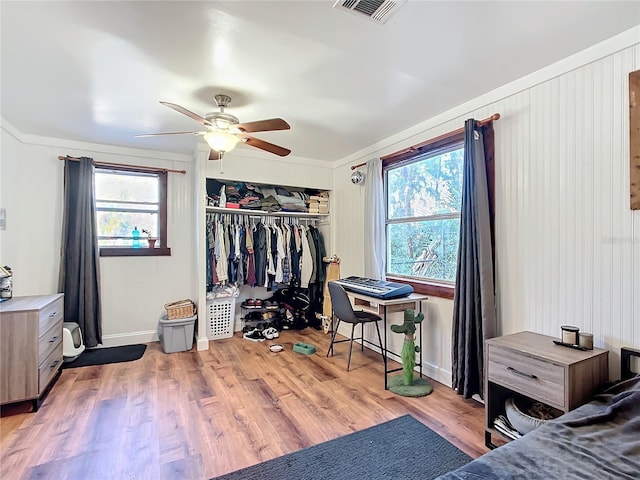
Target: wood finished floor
{"type": "Point", "coordinates": [196, 415]}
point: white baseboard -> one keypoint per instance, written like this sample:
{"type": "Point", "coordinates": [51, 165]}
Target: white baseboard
{"type": "Point", "coordinates": [121, 339]}
{"type": "Point", "coordinates": [202, 343]}
{"type": "Point", "coordinates": [437, 373]}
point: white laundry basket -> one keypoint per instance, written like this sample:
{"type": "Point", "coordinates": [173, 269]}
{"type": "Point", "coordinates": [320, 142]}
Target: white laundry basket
{"type": "Point", "coordinates": [220, 317]}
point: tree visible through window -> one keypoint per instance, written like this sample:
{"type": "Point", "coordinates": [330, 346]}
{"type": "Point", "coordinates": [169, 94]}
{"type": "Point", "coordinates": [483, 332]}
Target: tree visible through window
{"type": "Point", "coordinates": [424, 198]}
{"type": "Point", "coordinates": [128, 202]}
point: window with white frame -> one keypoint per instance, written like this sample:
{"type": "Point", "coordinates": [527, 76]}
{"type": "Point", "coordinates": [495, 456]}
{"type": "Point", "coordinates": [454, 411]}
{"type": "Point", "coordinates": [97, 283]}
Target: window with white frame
{"type": "Point", "coordinates": [130, 208]}
{"type": "Point", "coordinates": [423, 200]}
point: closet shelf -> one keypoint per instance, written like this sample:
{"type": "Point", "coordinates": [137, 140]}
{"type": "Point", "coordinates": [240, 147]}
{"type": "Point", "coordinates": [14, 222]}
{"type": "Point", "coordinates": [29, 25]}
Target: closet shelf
{"type": "Point", "coordinates": [240, 211]}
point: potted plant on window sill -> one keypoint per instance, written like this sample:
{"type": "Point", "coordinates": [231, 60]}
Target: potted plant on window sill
{"type": "Point", "coordinates": [150, 239]}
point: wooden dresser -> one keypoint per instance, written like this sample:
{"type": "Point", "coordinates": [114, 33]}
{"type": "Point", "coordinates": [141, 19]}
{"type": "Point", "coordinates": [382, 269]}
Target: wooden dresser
{"type": "Point", "coordinates": [530, 364]}
{"type": "Point", "coordinates": [30, 346]}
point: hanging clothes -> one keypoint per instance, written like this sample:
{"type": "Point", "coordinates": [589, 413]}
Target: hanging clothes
{"type": "Point", "coordinates": [260, 252]}
{"type": "Point", "coordinates": [221, 253]}
{"type": "Point", "coordinates": [306, 262]}
{"type": "Point", "coordinates": [295, 246]}
{"type": "Point", "coordinates": [251, 261]}
{"type": "Point", "coordinates": [286, 261]}
{"type": "Point", "coordinates": [316, 285]}
{"type": "Point", "coordinates": [270, 253]}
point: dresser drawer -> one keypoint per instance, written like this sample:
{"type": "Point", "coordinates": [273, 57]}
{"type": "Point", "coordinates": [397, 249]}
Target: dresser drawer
{"type": "Point", "coordinates": [49, 341]}
{"type": "Point", "coordinates": [533, 377]}
{"type": "Point", "coordinates": [51, 314]}
{"type": "Point", "coordinates": [50, 366]}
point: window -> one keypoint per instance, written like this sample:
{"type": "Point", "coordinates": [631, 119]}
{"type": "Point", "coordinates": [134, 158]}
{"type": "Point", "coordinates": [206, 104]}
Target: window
{"type": "Point", "coordinates": [423, 190]}
{"type": "Point", "coordinates": [129, 201]}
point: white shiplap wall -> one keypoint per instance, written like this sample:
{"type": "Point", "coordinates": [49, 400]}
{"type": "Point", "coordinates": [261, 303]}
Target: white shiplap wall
{"type": "Point", "coordinates": [568, 245]}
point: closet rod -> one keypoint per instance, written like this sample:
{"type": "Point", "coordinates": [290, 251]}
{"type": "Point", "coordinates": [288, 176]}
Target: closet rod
{"type": "Point", "coordinates": [137, 167]}
{"type": "Point", "coordinates": [495, 116]}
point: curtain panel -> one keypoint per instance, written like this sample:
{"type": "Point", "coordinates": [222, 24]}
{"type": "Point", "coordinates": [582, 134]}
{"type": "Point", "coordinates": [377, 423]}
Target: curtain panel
{"type": "Point", "coordinates": [79, 256]}
{"type": "Point", "coordinates": [374, 222]}
{"type": "Point", "coordinates": [474, 311]}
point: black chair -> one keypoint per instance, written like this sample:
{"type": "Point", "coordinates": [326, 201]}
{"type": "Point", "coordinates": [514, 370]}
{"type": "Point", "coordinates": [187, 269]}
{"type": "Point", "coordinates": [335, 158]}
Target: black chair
{"type": "Point", "coordinates": [344, 312]}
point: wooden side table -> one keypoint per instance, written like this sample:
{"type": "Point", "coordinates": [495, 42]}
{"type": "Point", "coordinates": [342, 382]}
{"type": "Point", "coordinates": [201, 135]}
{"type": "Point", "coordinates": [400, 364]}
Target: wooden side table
{"type": "Point", "coordinates": [532, 365]}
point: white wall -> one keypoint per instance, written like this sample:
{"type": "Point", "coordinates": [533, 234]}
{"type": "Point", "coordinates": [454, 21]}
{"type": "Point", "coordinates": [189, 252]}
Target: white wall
{"type": "Point", "coordinates": [253, 166]}
{"type": "Point", "coordinates": [133, 289]}
{"type": "Point", "coordinates": [30, 245]}
{"type": "Point", "coordinates": [568, 246]}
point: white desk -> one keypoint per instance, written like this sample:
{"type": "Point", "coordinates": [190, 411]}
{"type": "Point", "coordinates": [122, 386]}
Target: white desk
{"type": "Point", "coordinates": [382, 308]}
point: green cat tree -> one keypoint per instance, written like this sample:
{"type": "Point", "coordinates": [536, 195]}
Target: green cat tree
{"type": "Point", "coordinates": [405, 384]}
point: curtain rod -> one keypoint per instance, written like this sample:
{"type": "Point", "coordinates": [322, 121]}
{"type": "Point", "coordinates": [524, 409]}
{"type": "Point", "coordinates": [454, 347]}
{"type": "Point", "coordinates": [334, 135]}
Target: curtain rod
{"type": "Point", "coordinates": [495, 116]}
{"type": "Point", "coordinates": [138, 167]}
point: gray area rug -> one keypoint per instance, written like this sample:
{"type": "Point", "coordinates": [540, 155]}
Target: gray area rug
{"type": "Point", "coordinates": [400, 449]}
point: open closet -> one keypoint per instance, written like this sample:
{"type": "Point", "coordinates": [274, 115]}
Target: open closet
{"type": "Point", "coordinates": [266, 253]}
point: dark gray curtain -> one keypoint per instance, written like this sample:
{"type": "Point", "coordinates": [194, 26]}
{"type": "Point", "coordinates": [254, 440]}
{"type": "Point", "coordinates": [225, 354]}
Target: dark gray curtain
{"type": "Point", "coordinates": [79, 262]}
{"type": "Point", "coordinates": [474, 311]}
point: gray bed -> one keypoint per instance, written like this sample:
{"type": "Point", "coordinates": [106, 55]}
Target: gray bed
{"type": "Point", "coordinates": [599, 440]}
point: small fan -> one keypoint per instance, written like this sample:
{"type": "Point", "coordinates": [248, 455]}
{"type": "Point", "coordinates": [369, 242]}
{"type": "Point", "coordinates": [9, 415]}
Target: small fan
{"type": "Point", "coordinates": [224, 131]}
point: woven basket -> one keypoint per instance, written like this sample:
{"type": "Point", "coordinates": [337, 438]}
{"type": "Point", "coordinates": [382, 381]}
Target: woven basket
{"type": "Point", "coordinates": [180, 309]}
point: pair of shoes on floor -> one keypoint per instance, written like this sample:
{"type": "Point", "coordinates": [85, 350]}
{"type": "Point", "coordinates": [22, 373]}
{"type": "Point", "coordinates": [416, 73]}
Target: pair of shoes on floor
{"type": "Point", "coordinates": [270, 333]}
{"type": "Point", "coordinates": [254, 335]}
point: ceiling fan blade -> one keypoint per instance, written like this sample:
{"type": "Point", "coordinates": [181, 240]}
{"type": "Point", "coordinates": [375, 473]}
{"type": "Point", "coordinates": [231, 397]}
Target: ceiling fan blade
{"type": "Point", "coordinates": [263, 125]}
{"type": "Point", "coordinates": [167, 133]}
{"type": "Point", "coordinates": [269, 147]}
{"type": "Point", "coordinates": [188, 113]}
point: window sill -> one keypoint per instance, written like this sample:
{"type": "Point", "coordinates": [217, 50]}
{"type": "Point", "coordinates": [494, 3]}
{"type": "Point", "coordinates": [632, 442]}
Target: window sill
{"type": "Point", "coordinates": [434, 289]}
{"type": "Point", "coordinates": [134, 252]}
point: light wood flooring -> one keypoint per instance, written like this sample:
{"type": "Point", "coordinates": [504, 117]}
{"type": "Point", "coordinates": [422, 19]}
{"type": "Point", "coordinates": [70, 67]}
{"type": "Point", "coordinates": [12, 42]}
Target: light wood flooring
{"type": "Point", "coordinates": [196, 415]}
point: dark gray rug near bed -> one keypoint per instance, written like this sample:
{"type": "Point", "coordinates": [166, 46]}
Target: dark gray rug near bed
{"type": "Point", "coordinates": [103, 356]}
{"type": "Point", "coordinates": [399, 449]}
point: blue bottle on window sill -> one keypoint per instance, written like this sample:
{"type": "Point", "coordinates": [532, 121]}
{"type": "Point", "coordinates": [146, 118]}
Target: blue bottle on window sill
{"type": "Point", "coordinates": [136, 238]}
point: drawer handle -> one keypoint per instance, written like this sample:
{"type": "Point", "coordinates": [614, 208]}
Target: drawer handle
{"type": "Point", "coordinates": [53, 365]}
{"type": "Point", "coordinates": [53, 314]}
{"type": "Point", "coordinates": [53, 339]}
{"type": "Point", "coordinates": [528, 375]}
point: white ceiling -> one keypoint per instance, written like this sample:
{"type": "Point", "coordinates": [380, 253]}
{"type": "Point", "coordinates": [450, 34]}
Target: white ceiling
{"type": "Point", "coordinates": [95, 71]}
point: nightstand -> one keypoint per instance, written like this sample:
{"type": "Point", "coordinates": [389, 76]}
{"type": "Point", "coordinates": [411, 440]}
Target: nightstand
{"type": "Point", "coordinates": [532, 365]}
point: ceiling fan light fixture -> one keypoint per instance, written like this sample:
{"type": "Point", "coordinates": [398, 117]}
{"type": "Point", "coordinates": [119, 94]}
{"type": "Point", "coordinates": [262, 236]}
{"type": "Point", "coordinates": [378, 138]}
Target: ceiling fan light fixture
{"type": "Point", "coordinates": [221, 123]}
{"type": "Point", "coordinates": [221, 141]}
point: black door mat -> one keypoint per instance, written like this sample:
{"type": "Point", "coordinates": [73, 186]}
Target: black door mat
{"type": "Point", "coordinates": [103, 356]}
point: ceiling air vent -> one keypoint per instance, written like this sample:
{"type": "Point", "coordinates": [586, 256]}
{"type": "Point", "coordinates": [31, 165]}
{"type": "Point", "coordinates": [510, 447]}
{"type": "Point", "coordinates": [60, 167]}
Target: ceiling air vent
{"type": "Point", "coordinates": [376, 10]}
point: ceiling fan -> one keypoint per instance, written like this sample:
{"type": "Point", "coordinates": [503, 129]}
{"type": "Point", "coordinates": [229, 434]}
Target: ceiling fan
{"type": "Point", "coordinates": [224, 131]}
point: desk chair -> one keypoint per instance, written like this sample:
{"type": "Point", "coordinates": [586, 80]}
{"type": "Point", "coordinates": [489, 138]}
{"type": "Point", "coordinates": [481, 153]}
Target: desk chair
{"type": "Point", "coordinates": [344, 312]}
